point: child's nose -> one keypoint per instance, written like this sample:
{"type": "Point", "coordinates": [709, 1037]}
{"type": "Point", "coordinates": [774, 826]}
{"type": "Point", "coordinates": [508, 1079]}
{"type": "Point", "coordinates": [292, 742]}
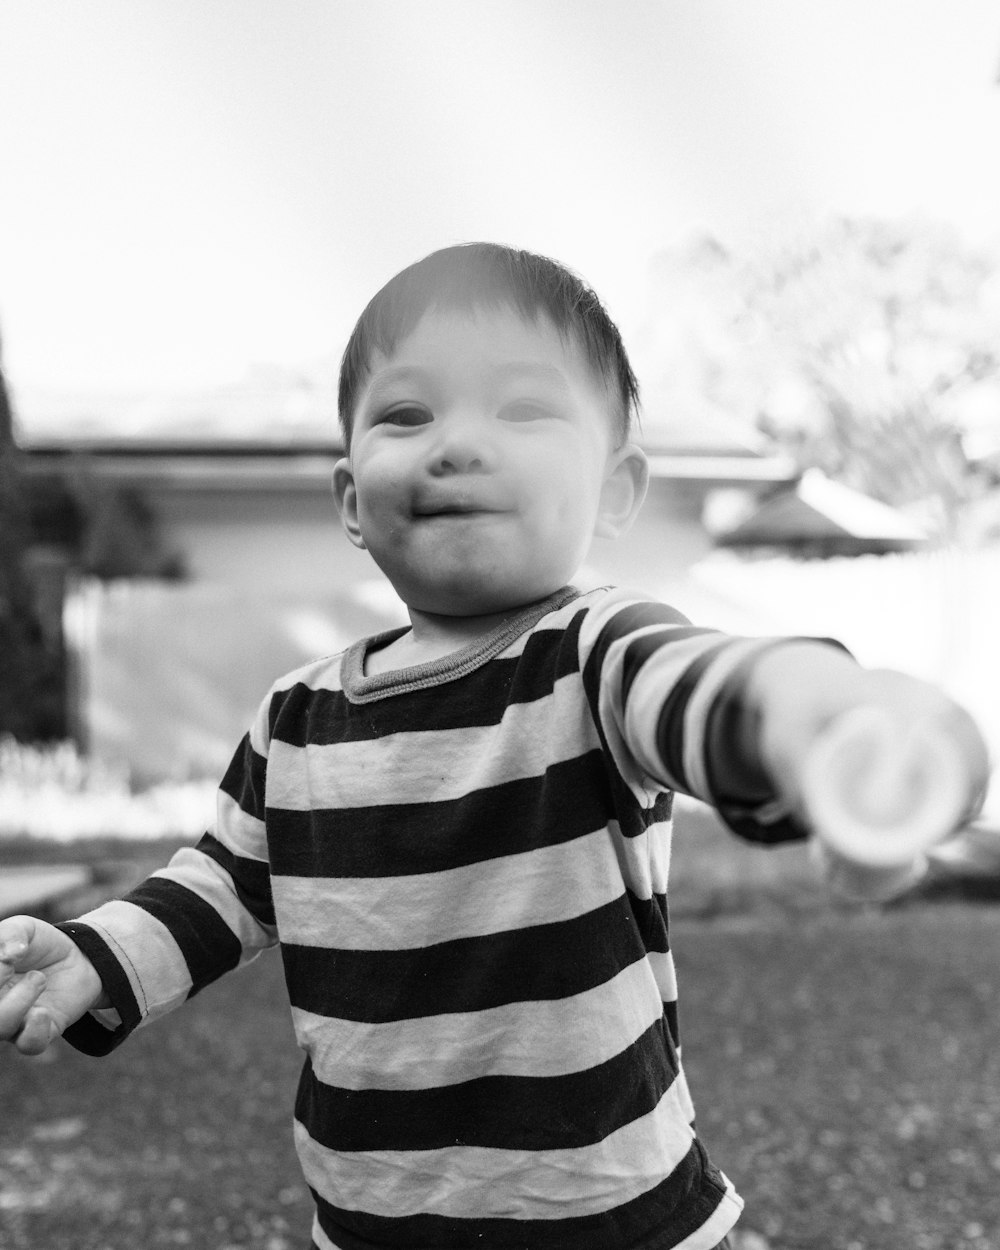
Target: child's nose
{"type": "Point", "coordinates": [463, 448]}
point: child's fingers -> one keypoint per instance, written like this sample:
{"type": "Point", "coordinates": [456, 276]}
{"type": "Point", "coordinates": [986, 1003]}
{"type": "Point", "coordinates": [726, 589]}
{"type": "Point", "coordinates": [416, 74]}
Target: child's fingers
{"type": "Point", "coordinates": [18, 995]}
{"type": "Point", "coordinates": [16, 933]}
{"type": "Point", "coordinates": [38, 1030]}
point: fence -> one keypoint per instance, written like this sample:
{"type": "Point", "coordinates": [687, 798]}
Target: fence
{"type": "Point", "coordinates": [166, 677]}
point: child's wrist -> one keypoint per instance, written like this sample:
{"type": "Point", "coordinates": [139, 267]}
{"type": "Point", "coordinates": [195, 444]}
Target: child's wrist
{"type": "Point", "coordinates": [98, 998]}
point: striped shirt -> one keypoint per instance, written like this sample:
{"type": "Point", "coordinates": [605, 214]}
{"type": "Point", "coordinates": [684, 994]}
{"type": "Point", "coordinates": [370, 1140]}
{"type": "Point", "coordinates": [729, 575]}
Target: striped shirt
{"type": "Point", "coordinates": [465, 864]}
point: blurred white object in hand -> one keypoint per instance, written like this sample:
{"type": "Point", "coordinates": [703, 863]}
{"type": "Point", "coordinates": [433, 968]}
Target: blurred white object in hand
{"type": "Point", "coordinates": [879, 794]}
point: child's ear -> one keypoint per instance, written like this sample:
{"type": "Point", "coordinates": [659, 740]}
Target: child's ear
{"type": "Point", "coordinates": [623, 492]}
{"type": "Point", "coordinates": [346, 495]}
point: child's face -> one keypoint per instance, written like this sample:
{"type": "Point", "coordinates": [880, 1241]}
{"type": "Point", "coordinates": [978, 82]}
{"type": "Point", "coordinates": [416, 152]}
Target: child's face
{"type": "Point", "coordinates": [482, 463]}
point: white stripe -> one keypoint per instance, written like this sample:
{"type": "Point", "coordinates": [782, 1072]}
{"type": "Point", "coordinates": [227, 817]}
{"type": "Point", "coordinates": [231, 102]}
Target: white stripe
{"type": "Point", "coordinates": [660, 836]}
{"type": "Point", "coordinates": [650, 690]}
{"type": "Point", "coordinates": [421, 909]}
{"type": "Point", "coordinates": [237, 831]}
{"type": "Point", "coordinates": [644, 860]}
{"type": "Point", "coordinates": [514, 891]}
{"type": "Point", "coordinates": [320, 1238]}
{"type": "Point", "coordinates": [549, 1038]}
{"type": "Point", "coordinates": [503, 1184]}
{"type": "Point", "coordinates": [157, 972]}
{"type": "Point", "coordinates": [631, 732]}
{"type": "Point", "coordinates": [319, 674]}
{"type": "Point", "coordinates": [662, 964]}
{"type": "Point", "coordinates": [433, 766]}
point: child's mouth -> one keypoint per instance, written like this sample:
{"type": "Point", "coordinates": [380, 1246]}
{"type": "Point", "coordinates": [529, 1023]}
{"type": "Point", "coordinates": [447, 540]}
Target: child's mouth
{"type": "Point", "coordinates": [460, 507]}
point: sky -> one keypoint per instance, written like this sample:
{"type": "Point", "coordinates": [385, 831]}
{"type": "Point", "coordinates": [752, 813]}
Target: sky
{"type": "Point", "coordinates": [191, 188]}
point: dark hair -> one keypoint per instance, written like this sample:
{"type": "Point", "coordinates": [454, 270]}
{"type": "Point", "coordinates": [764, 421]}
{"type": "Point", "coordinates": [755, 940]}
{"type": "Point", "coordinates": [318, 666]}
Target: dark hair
{"type": "Point", "coordinates": [474, 276]}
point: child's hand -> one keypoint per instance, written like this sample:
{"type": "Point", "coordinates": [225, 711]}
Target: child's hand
{"type": "Point", "coordinates": [879, 764]}
{"type": "Point", "coordinates": [46, 983]}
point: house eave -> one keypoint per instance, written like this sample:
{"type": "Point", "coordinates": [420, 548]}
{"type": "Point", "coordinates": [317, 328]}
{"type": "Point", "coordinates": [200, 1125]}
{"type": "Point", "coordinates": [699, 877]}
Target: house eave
{"type": "Point", "coordinates": [247, 466]}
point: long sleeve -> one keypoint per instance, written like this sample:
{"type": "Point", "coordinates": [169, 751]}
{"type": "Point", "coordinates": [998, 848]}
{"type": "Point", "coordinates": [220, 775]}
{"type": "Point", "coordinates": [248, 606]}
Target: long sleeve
{"type": "Point", "coordinates": [668, 700]}
{"type": "Point", "coordinates": [207, 912]}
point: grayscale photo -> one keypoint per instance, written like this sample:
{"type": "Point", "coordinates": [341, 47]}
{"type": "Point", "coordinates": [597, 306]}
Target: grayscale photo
{"type": "Point", "coordinates": [499, 600]}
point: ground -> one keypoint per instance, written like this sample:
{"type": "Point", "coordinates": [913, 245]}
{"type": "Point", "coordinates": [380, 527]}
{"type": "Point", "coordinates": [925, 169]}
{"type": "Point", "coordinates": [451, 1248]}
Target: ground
{"type": "Point", "coordinates": [843, 1063]}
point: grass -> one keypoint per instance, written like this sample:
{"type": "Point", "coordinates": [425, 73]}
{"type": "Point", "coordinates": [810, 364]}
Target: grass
{"type": "Point", "coordinates": [847, 1076]}
{"type": "Point", "coordinates": [844, 1068]}
{"type": "Point", "coordinates": [842, 1062]}
{"type": "Point", "coordinates": [182, 1138]}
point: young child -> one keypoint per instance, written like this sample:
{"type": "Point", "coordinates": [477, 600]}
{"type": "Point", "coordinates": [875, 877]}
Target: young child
{"type": "Point", "coordinates": [459, 832]}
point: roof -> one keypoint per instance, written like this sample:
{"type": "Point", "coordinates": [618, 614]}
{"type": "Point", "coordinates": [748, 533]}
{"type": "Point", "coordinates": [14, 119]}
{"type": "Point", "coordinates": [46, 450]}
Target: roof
{"type": "Point", "coordinates": [278, 429]}
{"type": "Point", "coordinates": [817, 511]}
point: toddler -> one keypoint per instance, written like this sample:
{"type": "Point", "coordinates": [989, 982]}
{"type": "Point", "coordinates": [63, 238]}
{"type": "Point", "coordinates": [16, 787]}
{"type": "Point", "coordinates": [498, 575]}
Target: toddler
{"type": "Point", "coordinates": [458, 832]}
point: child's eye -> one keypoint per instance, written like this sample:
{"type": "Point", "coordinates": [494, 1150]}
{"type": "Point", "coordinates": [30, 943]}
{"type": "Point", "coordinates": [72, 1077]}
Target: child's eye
{"type": "Point", "coordinates": [525, 410]}
{"type": "Point", "coordinates": [405, 415]}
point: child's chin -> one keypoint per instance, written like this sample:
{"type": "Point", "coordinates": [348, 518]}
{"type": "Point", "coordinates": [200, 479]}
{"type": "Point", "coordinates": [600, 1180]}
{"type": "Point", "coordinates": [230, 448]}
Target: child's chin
{"type": "Point", "coordinates": [489, 599]}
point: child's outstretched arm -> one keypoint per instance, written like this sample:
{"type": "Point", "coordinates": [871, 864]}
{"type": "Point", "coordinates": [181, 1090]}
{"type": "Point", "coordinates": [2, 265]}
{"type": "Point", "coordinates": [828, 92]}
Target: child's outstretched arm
{"type": "Point", "coordinates": [46, 983]}
{"type": "Point", "coordinates": [754, 726]}
{"type": "Point", "coordinates": [877, 764]}
{"type": "Point", "coordinates": [97, 978]}
{"type": "Point", "coordinates": [207, 912]}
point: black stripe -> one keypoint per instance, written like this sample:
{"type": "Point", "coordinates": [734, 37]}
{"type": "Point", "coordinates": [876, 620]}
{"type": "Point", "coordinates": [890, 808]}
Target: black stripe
{"type": "Point", "coordinates": [251, 878]}
{"type": "Point", "coordinates": [733, 765]}
{"type": "Point", "coordinates": [504, 1112]}
{"type": "Point", "coordinates": [549, 654]}
{"type": "Point", "coordinates": [244, 779]}
{"type": "Point", "coordinates": [537, 963]}
{"type": "Point", "coordinates": [627, 621]}
{"type": "Point", "coordinates": [661, 1217]}
{"type": "Point", "coordinates": [639, 651]}
{"type": "Point", "coordinates": [207, 943]}
{"type": "Point", "coordinates": [86, 1034]}
{"type": "Point", "coordinates": [673, 1025]}
{"type": "Point", "coordinates": [568, 800]}
{"type": "Point", "coordinates": [651, 920]}
{"type": "Point", "coordinates": [786, 829]}
{"type": "Point", "coordinates": [301, 716]}
{"type": "Point", "coordinates": [671, 729]}
{"type": "Point", "coordinates": [737, 778]}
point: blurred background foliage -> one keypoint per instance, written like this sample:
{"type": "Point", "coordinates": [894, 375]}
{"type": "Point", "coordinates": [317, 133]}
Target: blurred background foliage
{"type": "Point", "coordinates": [869, 349]}
{"type": "Point", "coordinates": [32, 703]}
{"type": "Point", "coordinates": [49, 531]}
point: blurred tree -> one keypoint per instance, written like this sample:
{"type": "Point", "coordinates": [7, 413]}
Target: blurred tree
{"type": "Point", "coordinates": [52, 525]}
{"type": "Point", "coordinates": [118, 533]}
{"type": "Point", "coordinates": [100, 530]}
{"type": "Point", "coordinates": [866, 347]}
{"type": "Point", "coordinates": [32, 673]}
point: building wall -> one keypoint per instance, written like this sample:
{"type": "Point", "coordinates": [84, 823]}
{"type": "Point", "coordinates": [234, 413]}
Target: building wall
{"type": "Point", "coordinates": [168, 675]}
{"type": "Point", "coordinates": [275, 540]}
